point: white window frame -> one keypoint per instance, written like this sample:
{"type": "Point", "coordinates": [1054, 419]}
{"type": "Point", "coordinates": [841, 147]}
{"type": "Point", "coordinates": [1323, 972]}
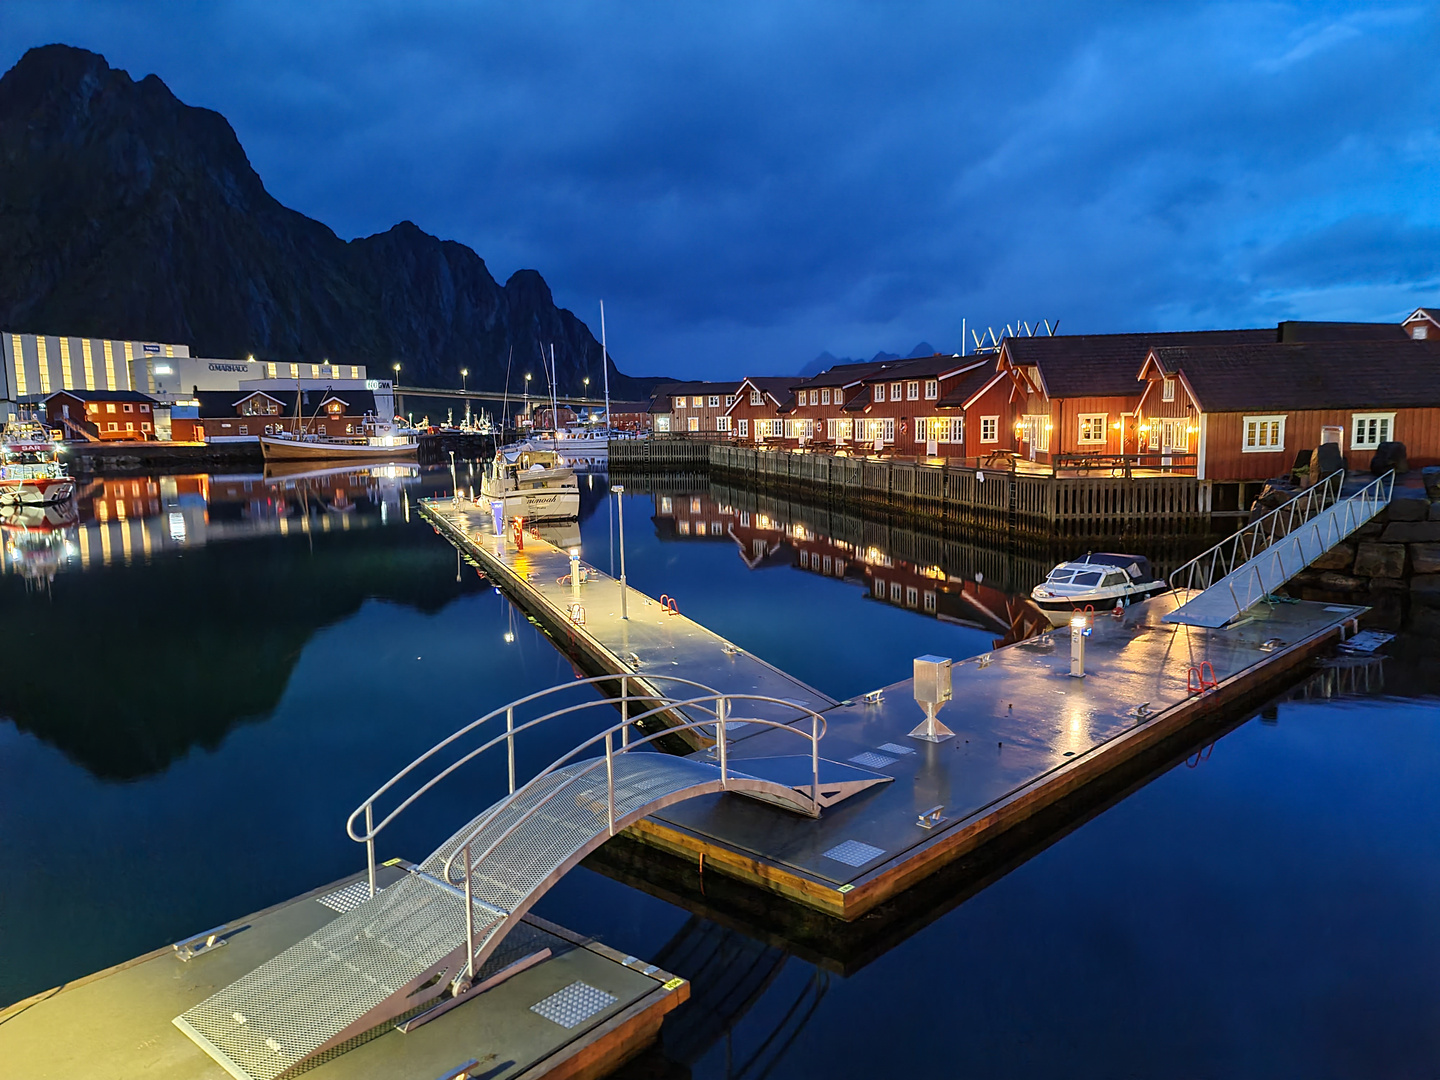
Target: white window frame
{"type": "Point", "coordinates": [992, 425]}
{"type": "Point", "coordinates": [1088, 420]}
{"type": "Point", "coordinates": [1375, 419]}
{"type": "Point", "coordinates": [722, 423]}
{"type": "Point", "coordinates": [912, 390]}
{"type": "Point", "coordinates": [896, 389]}
{"type": "Point", "coordinates": [1250, 439]}
{"type": "Point", "coordinates": [824, 397]}
{"type": "Point", "coordinates": [714, 401]}
{"type": "Point", "coordinates": [757, 398]}
{"type": "Point", "coordinates": [1167, 389]}
{"type": "Point", "coordinates": [742, 428]}
{"type": "Point", "coordinates": [1419, 332]}
{"type": "Point", "coordinates": [692, 423]}
{"type": "Point", "coordinates": [679, 403]}
{"type": "Point", "coordinates": [877, 392]}
{"type": "Point", "coordinates": [662, 423]}
{"type": "Point", "coordinates": [932, 389]}
{"type": "Point", "coordinates": [729, 400]}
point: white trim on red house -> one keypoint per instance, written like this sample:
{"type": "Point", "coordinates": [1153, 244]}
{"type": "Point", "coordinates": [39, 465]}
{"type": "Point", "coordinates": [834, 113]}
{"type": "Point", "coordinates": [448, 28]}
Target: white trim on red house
{"type": "Point", "coordinates": [983, 390]}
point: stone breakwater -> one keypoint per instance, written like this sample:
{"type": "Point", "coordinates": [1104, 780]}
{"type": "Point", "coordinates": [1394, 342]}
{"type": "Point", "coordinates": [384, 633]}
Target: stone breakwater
{"type": "Point", "coordinates": [1391, 563]}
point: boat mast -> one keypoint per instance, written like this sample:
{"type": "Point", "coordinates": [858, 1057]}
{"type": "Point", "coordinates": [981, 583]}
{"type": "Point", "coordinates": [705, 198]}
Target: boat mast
{"type": "Point", "coordinates": [605, 364]}
{"type": "Point", "coordinates": [554, 397]}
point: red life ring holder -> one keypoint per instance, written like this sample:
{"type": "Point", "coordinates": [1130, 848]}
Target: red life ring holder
{"type": "Point", "coordinates": [904, 427]}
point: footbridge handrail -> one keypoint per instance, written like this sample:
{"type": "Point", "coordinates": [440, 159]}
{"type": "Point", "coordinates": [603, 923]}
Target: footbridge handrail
{"type": "Point", "coordinates": [1244, 544]}
{"type": "Point", "coordinates": [367, 807]}
{"type": "Point", "coordinates": [722, 703]}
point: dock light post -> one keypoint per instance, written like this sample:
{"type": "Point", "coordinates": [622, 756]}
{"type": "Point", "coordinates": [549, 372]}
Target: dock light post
{"type": "Point", "coordinates": [575, 571]}
{"type": "Point", "coordinates": [454, 480]}
{"type": "Point", "coordinates": [932, 690]}
{"type": "Point", "coordinates": [619, 489]}
{"type": "Point", "coordinates": [1079, 631]}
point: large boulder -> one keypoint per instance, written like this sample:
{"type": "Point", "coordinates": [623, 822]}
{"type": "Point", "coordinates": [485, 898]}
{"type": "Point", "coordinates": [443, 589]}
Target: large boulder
{"type": "Point", "coordinates": [1412, 532]}
{"type": "Point", "coordinates": [1275, 494]}
{"type": "Point", "coordinates": [1341, 582]}
{"type": "Point", "coordinates": [1425, 558]}
{"type": "Point", "coordinates": [1411, 508]}
{"type": "Point", "coordinates": [1435, 511]}
{"type": "Point", "coordinates": [1389, 455]}
{"type": "Point", "coordinates": [1380, 560]}
{"type": "Point", "coordinates": [1430, 476]}
{"type": "Point", "coordinates": [1327, 459]}
{"type": "Point", "coordinates": [1340, 557]}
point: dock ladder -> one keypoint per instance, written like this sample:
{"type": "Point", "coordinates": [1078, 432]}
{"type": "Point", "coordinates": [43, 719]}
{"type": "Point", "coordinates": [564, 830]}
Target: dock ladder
{"type": "Point", "coordinates": [1243, 569]}
{"type": "Point", "coordinates": [418, 946]}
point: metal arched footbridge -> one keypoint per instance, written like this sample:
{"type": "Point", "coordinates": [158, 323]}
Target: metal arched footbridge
{"type": "Point", "coordinates": [429, 940]}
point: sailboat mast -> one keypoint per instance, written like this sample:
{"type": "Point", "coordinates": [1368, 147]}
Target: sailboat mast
{"type": "Point", "coordinates": [554, 396]}
{"type": "Point", "coordinates": [605, 365]}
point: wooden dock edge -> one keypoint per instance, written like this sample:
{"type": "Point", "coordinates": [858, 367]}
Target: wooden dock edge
{"type": "Point", "coordinates": [900, 873]}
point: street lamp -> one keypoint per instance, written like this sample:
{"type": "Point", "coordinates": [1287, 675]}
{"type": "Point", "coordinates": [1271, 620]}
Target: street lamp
{"type": "Point", "coordinates": [619, 489]}
{"type": "Point", "coordinates": [527, 395]}
{"type": "Point", "coordinates": [464, 375]}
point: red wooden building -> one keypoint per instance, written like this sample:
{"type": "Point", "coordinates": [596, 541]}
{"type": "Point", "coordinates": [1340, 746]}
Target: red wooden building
{"type": "Point", "coordinates": [106, 415]}
{"type": "Point", "coordinates": [1250, 408]}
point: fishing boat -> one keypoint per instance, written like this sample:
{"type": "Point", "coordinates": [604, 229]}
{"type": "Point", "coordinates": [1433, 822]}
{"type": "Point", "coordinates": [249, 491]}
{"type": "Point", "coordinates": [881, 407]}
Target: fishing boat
{"type": "Point", "coordinates": [1098, 581]}
{"type": "Point", "coordinates": [378, 441]}
{"type": "Point", "coordinates": [31, 472]}
{"type": "Point", "coordinates": [532, 484]}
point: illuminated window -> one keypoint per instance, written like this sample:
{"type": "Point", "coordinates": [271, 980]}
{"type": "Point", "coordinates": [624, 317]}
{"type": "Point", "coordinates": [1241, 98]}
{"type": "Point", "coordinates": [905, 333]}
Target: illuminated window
{"type": "Point", "coordinates": [932, 389]}
{"type": "Point", "coordinates": [679, 403]}
{"type": "Point", "coordinates": [662, 423]}
{"type": "Point", "coordinates": [1369, 430]}
{"type": "Point", "coordinates": [989, 429]}
{"type": "Point", "coordinates": [270, 371]}
{"type": "Point", "coordinates": [1263, 434]}
{"type": "Point", "coordinates": [19, 355]}
{"type": "Point", "coordinates": [1092, 427]}
{"type": "Point", "coordinates": [40, 354]}
{"type": "Point", "coordinates": [109, 406]}
{"type": "Point", "coordinates": [294, 371]}
{"type": "Point", "coordinates": [693, 423]}
{"type": "Point", "coordinates": [67, 379]}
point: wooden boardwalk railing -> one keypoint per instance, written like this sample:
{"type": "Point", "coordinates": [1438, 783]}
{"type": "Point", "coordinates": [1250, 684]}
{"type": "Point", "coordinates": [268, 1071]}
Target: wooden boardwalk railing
{"type": "Point", "coordinates": [1058, 506]}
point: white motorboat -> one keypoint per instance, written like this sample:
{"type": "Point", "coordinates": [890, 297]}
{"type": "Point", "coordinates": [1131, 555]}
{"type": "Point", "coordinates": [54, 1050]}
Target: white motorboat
{"type": "Point", "coordinates": [578, 448]}
{"type": "Point", "coordinates": [1097, 581]}
{"type": "Point", "coordinates": [535, 485]}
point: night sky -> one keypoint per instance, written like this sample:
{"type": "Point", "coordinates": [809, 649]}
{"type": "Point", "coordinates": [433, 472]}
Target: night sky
{"type": "Point", "coordinates": [747, 184]}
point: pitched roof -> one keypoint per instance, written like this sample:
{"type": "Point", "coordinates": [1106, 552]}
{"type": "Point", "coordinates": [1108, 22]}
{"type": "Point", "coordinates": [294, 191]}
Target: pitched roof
{"type": "Point", "coordinates": [224, 402]}
{"type": "Point", "coordinates": [780, 388]}
{"type": "Point", "coordinates": [1104, 365]}
{"type": "Point", "coordinates": [840, 375]}
{"type": "Point", "coordinates": [1308, 375]}
{"type": "Point", "coordinates": [967, 385]}
{"type": "Point", "coordinates": [922, 367]}
{"type": "Point", "coordinates": [1292, 330]}
{"type": "Point", "coordinates": [104, 395]}
{"type": "Point", "coordinates": [1433, 314]}
{"type": "Point", "coordinates": [662, 395]}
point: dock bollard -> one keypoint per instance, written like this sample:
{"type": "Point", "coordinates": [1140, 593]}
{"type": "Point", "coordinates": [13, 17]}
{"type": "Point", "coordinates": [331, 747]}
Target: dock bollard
{"type": "Point", "coordinates": [575, 571]}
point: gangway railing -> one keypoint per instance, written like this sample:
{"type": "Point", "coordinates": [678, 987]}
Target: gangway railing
{"type": "Point", "coordinates": [1243, 569]}
{"type": "Point", "coordinates": [624, 701]}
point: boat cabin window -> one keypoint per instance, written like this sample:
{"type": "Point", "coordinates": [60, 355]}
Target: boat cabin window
{"type": "Point", "coordinates": [1115, 577]}
{"type": "Point", "coordinates": [1087, 577]}
{"type": "Point", "coordinates": [1060, 574]}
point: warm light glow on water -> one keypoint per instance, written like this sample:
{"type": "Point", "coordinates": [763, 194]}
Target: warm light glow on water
{"type": "Point", "coordinates": [194, 710]}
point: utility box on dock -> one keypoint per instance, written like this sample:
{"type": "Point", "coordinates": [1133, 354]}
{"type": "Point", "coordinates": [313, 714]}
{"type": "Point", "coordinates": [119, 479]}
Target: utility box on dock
{"type": "Point", "coordinates": [1079, 631]}
{"type": "Point", "coordinates": [932, 690]}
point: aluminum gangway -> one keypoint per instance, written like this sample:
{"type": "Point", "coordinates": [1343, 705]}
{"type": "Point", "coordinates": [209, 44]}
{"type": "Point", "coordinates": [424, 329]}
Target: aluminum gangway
{"type": "Point", "coordinates": [429, 941]}
{"type": "Point", "coordinates": [1240, 571]}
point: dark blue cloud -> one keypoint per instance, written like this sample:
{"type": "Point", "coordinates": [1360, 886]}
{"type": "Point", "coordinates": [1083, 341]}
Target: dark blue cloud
{"type": "Point", "coordinates": [749, 183]}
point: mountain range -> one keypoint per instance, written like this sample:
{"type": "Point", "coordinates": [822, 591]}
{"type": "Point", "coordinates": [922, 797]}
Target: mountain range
{"type": "Point", "coordinates": [826, 360]}
{"type": "Point", "coordinates": [125, 213]}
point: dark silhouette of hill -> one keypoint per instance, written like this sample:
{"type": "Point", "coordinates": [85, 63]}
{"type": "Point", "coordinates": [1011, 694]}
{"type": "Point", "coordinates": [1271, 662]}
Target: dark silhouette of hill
{"type": "Point", "coordinates": [826, 360]}
{"type": "Point", "coordinates": [125, 213]}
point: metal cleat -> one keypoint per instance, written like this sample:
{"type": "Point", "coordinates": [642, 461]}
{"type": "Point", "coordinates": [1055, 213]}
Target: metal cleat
{"type": "Point", "coordinates": [201, 943]}
{"type": "Point", "coordinates": [930, 818]}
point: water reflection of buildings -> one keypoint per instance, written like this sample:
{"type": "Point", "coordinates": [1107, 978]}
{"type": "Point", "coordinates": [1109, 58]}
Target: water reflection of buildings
{"type": "Point", "coordinates": [119, 520]}
{"type": "Point", "coordinates": [965, 584]}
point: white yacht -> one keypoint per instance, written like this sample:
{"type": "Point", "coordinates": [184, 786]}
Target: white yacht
{"type": "Point", "coordinates": [535, 485]}
{"type": "Point", "coordinates": [1096, 580]}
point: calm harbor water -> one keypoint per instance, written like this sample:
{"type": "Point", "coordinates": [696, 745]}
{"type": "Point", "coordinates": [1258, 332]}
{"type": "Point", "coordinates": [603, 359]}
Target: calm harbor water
{"type": "Point", "coordinates": [204, 675]}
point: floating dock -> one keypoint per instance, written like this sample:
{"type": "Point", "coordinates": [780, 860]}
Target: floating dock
{"type": "Point", "coordinates": [581, 1012]}
{"type": "Point", "coordinates": [1028, 734]}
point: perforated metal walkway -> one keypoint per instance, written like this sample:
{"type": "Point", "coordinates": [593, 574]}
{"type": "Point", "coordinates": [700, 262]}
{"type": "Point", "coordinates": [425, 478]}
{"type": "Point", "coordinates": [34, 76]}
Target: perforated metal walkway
{"type": "Point", "coordinates": [393, 954]}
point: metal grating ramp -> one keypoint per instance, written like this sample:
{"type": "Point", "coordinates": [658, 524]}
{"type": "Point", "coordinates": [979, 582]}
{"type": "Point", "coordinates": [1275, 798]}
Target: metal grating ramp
{"type": "Point", "coordinates": [393, 953]}
{"type": "Point", "coordinates": [1266, 571]}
